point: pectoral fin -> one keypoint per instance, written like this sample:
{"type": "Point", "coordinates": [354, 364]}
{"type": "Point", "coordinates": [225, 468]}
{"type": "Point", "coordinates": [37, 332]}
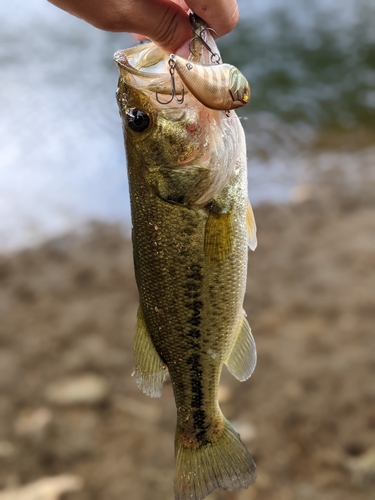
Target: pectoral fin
{"type": "Point", "coordinates": [242, 358]}
{"type": "Point", "coordinates": [251, 227]}
{"type": "Point", "coordinates": [150, 371]}
{"type": "Point", "coordinates": [218, 242]}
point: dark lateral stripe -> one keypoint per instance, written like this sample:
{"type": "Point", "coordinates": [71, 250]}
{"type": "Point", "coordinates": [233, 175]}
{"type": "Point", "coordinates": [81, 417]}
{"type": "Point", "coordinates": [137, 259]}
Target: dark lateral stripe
{"type": "Point", "coordinates": [192, 287]}
{"type": "Point", "coordinates": [197, 399]}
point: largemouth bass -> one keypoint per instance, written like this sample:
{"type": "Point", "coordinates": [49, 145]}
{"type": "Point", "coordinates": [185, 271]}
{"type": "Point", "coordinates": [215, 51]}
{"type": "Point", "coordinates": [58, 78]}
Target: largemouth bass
{"type": "Point", "coordinates": [192, 223]}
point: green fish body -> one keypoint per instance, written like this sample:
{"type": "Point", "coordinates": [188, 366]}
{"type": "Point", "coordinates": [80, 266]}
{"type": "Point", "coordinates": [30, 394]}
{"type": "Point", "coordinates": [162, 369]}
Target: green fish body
{"type": "Point", "coordinates": [192, 224]}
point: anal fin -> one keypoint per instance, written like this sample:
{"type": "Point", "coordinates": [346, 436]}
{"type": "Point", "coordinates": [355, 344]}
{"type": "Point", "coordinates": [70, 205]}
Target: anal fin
{"type": "Point", "coordinates": [251, 227]}
{"type": "Point", "coordinates": [242, 358]}
{"type": "Point", "coordinates": [150, 371]}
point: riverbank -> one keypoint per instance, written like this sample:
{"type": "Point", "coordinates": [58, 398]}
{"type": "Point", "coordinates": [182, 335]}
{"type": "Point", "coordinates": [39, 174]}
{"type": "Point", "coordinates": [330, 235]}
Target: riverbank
{"type": "Point", "coordinates": [68, 311]}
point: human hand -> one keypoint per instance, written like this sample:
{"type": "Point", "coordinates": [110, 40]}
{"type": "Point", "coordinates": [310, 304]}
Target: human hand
{"type": "Point", "coordinates": [165, 22]}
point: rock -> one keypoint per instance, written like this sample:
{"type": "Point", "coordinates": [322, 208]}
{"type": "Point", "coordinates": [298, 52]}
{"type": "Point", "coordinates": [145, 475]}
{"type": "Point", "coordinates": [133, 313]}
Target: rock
{"type": "Point", "coordinates": [7, 449]}
{"type": "Point", "coordinates": [32, 422]}
{"type": "Point", "coordinates": [47, 488]}
{"type": "Point", "coordinates": [143, 411]}
{"type": "Point", "coordinates": [83, 389]}
{"type": "Point", "coordinates": [363, 468]}
{"type": "Point", "coordinates": [329, 458]}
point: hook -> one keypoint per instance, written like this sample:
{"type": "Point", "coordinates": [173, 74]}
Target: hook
{"type": "Point", "coordinates": [172, 65]}
{"type": "Point", "coordinates": [215, 57]}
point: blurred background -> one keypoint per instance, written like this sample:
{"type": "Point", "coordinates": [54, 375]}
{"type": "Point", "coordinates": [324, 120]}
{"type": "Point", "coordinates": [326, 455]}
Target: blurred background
{"type": "Point", "coordinates": [72, 421]}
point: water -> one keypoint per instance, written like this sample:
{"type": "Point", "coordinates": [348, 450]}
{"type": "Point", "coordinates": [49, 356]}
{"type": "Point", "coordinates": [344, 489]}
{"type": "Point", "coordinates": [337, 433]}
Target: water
{"type": "Point", "coordinates": [311, 66]}
{"type": "Point", "coordinates": [61, 154]}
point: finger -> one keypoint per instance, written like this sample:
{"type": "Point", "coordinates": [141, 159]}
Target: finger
{"type": "Point", "coordinates": [163, 21]}
{"type": "Point", "coordinates": [221, 15]}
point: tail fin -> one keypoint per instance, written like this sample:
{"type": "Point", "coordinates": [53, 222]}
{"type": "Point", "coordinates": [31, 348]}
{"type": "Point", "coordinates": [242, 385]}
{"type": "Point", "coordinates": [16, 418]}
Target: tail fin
{"type": "Point", "coordinates": [225, 463]}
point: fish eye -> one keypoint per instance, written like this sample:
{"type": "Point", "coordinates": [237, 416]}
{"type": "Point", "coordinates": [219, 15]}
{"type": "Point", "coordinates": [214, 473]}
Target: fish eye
{"type": "Point", "coordinates": [138, 120]}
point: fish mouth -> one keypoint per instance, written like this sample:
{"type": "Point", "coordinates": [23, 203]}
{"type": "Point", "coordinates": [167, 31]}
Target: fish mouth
{"type": "Point", "coordinates": [145, 67]}
{"type": "Point", "coordinates": [136, 58]}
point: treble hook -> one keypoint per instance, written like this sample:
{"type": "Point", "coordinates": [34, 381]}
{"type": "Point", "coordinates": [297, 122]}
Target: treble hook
{"type": "Point", "coordinates": [215, 57]}
{"type": "Point", "coordinates": [172, 65]}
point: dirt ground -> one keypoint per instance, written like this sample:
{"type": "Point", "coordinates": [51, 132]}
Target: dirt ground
{"type": "Point", "coordinates": [68, 309]}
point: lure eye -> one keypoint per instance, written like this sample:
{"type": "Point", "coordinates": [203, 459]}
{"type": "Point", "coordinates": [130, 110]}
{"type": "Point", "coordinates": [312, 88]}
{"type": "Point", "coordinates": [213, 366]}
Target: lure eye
{"type": "Point", "coordinates": [138, 120]}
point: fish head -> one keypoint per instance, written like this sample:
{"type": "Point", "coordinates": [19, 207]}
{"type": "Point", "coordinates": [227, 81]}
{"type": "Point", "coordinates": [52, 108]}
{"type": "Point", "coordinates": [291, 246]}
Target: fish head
{"type": "Point", "coordinates": [180, 149]}
{"type": "Point", "coordinates": [166, 135]}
